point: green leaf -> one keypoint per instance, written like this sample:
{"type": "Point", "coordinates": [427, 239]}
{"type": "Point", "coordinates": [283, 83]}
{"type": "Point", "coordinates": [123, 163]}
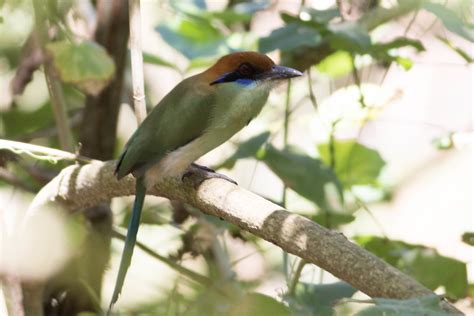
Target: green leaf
{"type": "Point", "coordinates": [332, 220]}
{"type": "Point", "coordinates": [258, 304]}
{"type": "Point", "coordinates": [468, 238]}
{"type": "Point", "coordinates": [86, 65]}
{"type": "Point", "coordinates": [450, 20]}
{"type": "Point", "coordinates": [336, 65]}
{"type": "Point", "coordinates": [354, 163]}
{"type": "Point", "coordinates": [307, 176]}
{"type": "Point", "coordinates": [246, 149]}
{"type": "Point", "coordinates": [349, 36]}
{"type": "Point", "coordinates": [157, 60]}
{"type": "Point", "coordinates": [228, 16]}
{"type": "Point", "coordinates": [398, 43]}
{"type": "Point", "coordinates": [193, 37]}
{"type": "Point", "coordinates": [318, 299]}
{"type": "Point", "coordinates": [321, 16]}
{"type": "Point", "coordinates": [385, 51]}
{"type": "Point", "coordinates": [290, 37]}
{"type": "Point", "coordinates": [424, 264]}
{"type": "Point", "coordinates": [17, 122]}
{"type": "Point", "coordinates": [420, 306]}
{"type": "Point", "coordinates": [465, 55]}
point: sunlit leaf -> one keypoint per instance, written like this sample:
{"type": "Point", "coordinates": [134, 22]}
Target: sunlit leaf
{"type": "Point", "coordinates": [420, 306]}
{"type": "Point", "coordinates": [246, 149]}
{"type": "Point", "coordinates": [290, 37]}
{"type": "Point", "coordinates": [450, 20]}
{"type": "Point", "coordinates": [422, 263]}
{"type": "Point", "coordinates": [318, 299]}
{"type": "Point", "coordinates": [307, 176]}
{"type": "Point", "coordinates": [354, 163]}
{"type": "Point", "coordinates": [336, 65]}
{"type": "Point", "coordinates": [86, 65]}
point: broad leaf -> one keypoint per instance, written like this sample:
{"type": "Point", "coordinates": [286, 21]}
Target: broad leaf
{"type": "Point", "coordinates": [424, 264]}
{"type": "Point", "coordinates": [420, 306]}
{"type": "Point", "coordinates": [450, 20]}
{"type": "Point", "coordinates": [290, 37]}
{"type": "Point", "coordinates": [321, 16]}
{"type": "Point", "coordinates": [318, 299]}
{"type": "Point", "coordinates": [349, 36]}
{"type": "Point", "coordinates": [193, 37]}
{"type": "Point", "coordinates": [246, 149]}
{"type": "Point", "coordinates": [354, 163]}
{"type": "Point", "coordinates": [307, 176]}
{"type": "Point", "coordinates": [86, 65]}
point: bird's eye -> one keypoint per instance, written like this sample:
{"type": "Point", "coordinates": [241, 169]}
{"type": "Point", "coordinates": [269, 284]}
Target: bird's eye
{"type": "Point", "coordinates": [246, 69]}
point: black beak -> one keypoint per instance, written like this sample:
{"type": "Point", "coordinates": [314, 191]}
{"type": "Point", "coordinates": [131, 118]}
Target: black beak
{"type": "Point", "coordinates": [280, 72]}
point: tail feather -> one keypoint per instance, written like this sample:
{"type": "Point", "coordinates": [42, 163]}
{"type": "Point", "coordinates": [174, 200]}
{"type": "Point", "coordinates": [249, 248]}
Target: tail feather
{"type": "Point", "coordinates": [130, 240]}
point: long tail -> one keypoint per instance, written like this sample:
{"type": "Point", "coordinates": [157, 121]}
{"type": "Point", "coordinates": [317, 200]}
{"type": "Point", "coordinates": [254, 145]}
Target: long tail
{"type": "Point", "coordinates": [130, 240]}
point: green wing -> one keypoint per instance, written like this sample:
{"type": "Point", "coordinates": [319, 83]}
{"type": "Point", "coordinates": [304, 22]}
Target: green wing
{"type": "Point", "coordinates": [179, 118]}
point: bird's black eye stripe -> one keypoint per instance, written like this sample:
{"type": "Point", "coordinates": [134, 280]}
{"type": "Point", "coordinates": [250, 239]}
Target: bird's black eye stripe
{"type": "Point", "coordinates": [244, 71]}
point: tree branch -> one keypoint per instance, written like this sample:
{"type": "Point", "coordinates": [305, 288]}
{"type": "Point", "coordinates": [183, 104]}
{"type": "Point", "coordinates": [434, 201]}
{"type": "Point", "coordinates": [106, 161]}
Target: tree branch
{"type": "Point", "coordinates": [78, 187]}
{"type": "Point", "coordinates": [137, 60]}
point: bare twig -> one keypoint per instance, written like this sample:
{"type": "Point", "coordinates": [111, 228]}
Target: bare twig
{"type": "Point", "coordinates": [186, 272]}
{"type": "Point", "coordinates": [137, 60]}
{"type": "Point", "coordinates": [54, 86]}
{"type": "Point", "coordinates": [41, 153]}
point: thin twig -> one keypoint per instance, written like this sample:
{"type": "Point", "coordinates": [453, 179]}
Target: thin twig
{"type": "Point", "coordinates": [186, 272]}
{"type": "Point", "coordinates": [54, 86]}
{"type": "Point", "coordinates": [285, 143]}
{"type": "Point", "coordinates": [296, 277]}
{"type": "Point", "coordinates": [137, 60]}
{"type": "Point", "coordinates": [42, 153]}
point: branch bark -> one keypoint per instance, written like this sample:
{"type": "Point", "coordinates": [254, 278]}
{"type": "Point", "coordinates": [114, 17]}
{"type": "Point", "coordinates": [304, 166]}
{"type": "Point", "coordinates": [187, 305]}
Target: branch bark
{"type": "Point", "coordinates": [79, 187]}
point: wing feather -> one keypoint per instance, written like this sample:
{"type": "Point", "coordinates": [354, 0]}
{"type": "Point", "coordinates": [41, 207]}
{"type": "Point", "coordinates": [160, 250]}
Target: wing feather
{"type": "Point", "coordinates": [179, 118]}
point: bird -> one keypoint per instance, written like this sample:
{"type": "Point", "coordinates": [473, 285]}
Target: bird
{"type": "Point", "coordinates": [197, 115]}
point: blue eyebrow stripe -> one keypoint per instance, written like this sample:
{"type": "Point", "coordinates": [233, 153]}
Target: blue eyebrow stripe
{"type": "Point", "coordinates": [244, 81]}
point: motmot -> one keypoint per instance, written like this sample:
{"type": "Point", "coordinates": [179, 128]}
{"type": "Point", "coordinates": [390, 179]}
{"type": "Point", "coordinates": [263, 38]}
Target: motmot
{"type": "Point", "coordinates": [196, 116]}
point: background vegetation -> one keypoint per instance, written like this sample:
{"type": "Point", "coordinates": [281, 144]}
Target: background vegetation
{"type": "Point", "coordinates": [311, 150]}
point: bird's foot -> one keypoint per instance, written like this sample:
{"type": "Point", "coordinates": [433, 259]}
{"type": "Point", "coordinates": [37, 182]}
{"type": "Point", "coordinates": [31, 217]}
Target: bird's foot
{"type": "Point", "coordinates": [197, 174]}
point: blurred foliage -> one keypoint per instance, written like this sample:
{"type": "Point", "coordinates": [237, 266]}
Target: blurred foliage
{"type": "Point", "coordinates": [421, 262]}
{"type": "Point", "coordinates": [310, 39]}
{"type": "Point", "coordinates": [426, 305]}
{"type": "Point", "coordinates": [318, 299]}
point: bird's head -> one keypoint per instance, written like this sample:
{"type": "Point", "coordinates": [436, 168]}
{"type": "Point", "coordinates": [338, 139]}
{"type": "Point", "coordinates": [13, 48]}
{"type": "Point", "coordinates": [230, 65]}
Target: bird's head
{"type": "Point", "coordinates": [248, 69]}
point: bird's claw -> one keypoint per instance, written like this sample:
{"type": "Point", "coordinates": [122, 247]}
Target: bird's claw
{"type": "Point", "coordinates": [198, 174]}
